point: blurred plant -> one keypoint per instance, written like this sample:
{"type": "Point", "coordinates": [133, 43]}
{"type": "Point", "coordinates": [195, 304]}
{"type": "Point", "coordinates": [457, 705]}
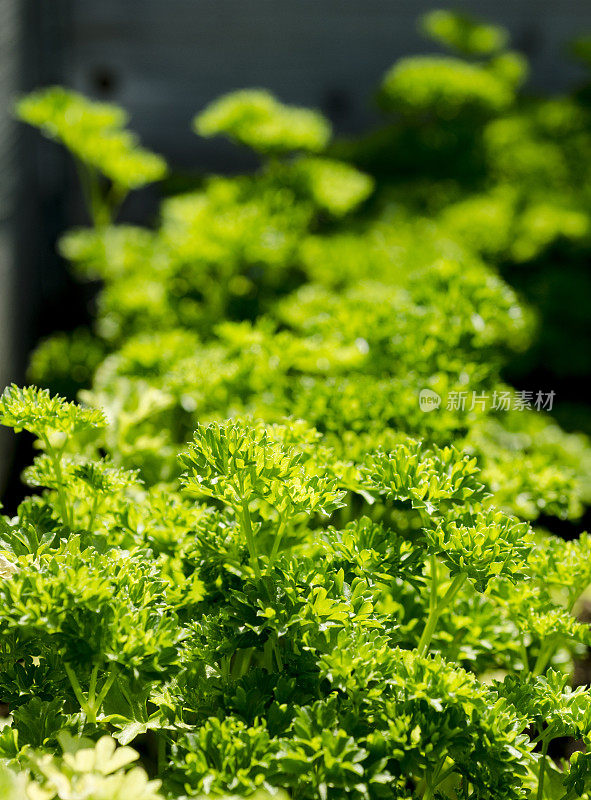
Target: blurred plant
{"type": "Point", "coordinates": [252, 553]}
{"type": "Point", "coordinates": [253, 117]}
{"type": "Point", "coordinates": [463, 33]}
{"type": "Point", "coordinates": [95, 135]}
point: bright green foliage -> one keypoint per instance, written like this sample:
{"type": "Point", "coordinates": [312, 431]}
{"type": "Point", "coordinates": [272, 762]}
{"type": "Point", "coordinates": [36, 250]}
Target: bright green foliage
{"type": "Point", "coordinates": [487, 545]}
{"type": "Point", "coordinates": [36, 411]}
{"type": "Point", "coordinates": [11, 785]}
{"type": "Point", "coordinates": [253, 555]}
{"type": "Point", "coordinates": [463, 34]}
{"type": "Point", "coordinates": [333, 186]}
{"type": "Point", "coordinates": [445, 85]}
{"type": "Point", "coordinates": [240, 754]}
{"type": "Point", "coordinates": [84, 608]}
{"type": "Point", "coordinates": [254, 117]}
{"type": "Point", "coordinates": [238, 463]}
{"type": "Point", "coordinates": [97, 476]}
{"type": "Point", "coordinates": [267, 675]}
{"type": "Point", "coordinates": [89, 771]}
{"type": "Point", "coordinates": [233, 462]}
{"type": "Point", "coordinates": [62, 113]}
{"type": "Point", "coordinates": [566, 566]}
{"type": "Point", "coordinates": [54, 420]}
{"type": "Point", "coordinates": [95, 134]}
{"type": "Point", "coordinates": [429, 481]}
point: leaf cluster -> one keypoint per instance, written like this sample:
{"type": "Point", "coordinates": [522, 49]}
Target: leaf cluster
{"type": "Point", "coordinates": [251, 556]}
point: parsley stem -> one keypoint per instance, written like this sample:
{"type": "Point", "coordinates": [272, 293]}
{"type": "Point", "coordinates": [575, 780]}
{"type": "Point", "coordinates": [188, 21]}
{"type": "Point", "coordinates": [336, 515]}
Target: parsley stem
{"type": "Point", "coordinates": [278, 658]}
{"type": "Point", "coordinates": [435, 613]}
{"type": "Point", "coordinates": [524, 657]}
{"type": "Point", "coordinates": [278, 538]}
{"type": "Point", "coordinates": [93, 513]}
{"type": "Point", "coordinates": [115, 199]}
{"type": "Point", "coordinates": [444, 775]}
{"type": "Point", "coordinates": [542, 772]}
{"type": "Point", "coordinates": [92, 686]}
{"type": "Point", "coordinates": [434, 583]}
{"type": "Point", "coordinates": [105, 690]}
{"type": "Point", "coordinates": [250, 538]}
{"type": "Point", "coordinates": [91, 705]}
{"type": "Point", "coordinates": [101, 217]}
{"type": "Point", "coordinates": [432, 781]}
{"type": "Point", "coordinates": [85, 184]}
{"type": "Point", "coordinates": [240, 662]}
{"type": "Point", "coordinates": [77, 689]}
{"type": "Point", "coordinates": [67, 517]}
{"type": "Point", "coordinates": [543, 657]}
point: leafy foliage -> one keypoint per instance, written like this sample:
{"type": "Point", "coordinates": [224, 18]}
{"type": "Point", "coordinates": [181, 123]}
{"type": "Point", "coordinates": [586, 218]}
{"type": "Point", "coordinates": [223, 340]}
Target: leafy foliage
{"type": "Point", "coordinates": [251, 554]}
{"type": "Point", "coordinates": [464, 34]}
{"type": "Point", "coordinates": [95, 134]}
{"type": "Point", "coordinates": [36, 411]}
{"type": "Point", "coordinates": [445, 85]}
{"type": "Point", "coordinates": [255, 118]}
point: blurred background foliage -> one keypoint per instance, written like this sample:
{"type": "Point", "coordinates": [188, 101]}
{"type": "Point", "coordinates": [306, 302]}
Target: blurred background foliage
{"type": "Point", "coordinates": [447, 248]}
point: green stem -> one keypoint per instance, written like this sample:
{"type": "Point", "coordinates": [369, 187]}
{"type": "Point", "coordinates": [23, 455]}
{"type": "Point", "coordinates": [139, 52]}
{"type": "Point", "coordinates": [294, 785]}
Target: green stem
{"type": "Point", "coordinates": [270, 650]}
{"type": "Point", "coordinates": [278, 658]}
{"type": "Point", "coordinates": [123, 689]}
{"type": "Point", "coordinates": [278, 538]}
{"type": "Point", "coordinates": [428, 632]}
{"type": "Point", "coordinates": [268, 655]}
{"type": "Point", "coordinates": [524, 657]}
{"type": "Point", "coordinates": [345, 512]}
{"type": "Point", "coordinates": [67, 516]}
{"type": "Point", "coordinates": [433, 779]}
{"type": "Point", "coordinates": [444, 775]}
{"type": "Point", "coordinates": [85, 184]}
{"type": "Point", "coordinates": [92, 686]}
{"type": "Point", "coordinates": [542, 772]}
{"type": "Point", "coordinates": [99, 208]}
{"type": "Point", "coordinates": [436, 610]}
{"type": "Point", "coordinates": [434, 583]}
{"type": "Point", "coordinates": [77, 689]}
{"type": "Point", "coordinates": [115, 199]}
{"type": "Point", "coordinates": [97, 205]}
{"type": "Point", "coordinates": [91, 705]}
{"type": "Point", "coordinates": [93, 513]}
{"type": "Point", "coordinates": [241, 662]}
{"type": "Point", "coordinates": [544, 656]}
{"type": "Point", "coordinates": [105, 690]}
{"type": "Point", "coordinates": [247, 524]}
